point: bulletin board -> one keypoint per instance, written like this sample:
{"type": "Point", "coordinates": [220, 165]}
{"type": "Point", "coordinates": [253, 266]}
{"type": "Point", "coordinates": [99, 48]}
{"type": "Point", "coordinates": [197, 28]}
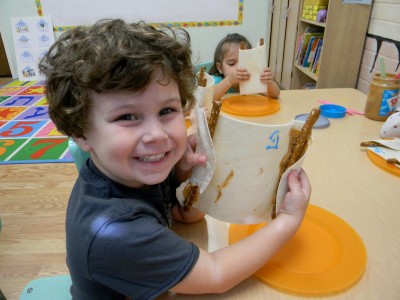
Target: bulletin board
{"type": "Point", "coordinates": [159, 13]}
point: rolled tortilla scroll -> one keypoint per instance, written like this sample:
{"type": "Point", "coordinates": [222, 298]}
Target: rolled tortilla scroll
{"type": "Point", "coordinates": [191, 191]}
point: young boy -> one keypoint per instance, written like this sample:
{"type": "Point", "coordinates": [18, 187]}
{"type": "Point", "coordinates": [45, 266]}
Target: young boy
{"type": "Point", "coordinates": [120, 90]}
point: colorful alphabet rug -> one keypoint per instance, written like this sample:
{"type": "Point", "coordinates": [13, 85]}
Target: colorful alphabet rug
{"type": "Point", "coordinates": [27, 135]}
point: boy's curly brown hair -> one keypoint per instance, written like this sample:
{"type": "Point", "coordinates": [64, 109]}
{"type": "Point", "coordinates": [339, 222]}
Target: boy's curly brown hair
{"type": "Point", "coordinates": [112, 56]}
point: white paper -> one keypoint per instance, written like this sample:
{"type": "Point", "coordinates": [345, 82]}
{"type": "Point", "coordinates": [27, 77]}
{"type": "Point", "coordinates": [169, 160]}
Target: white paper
{"type": "Point", "coordinates": [254, 60]}
{"type": "Point", "coordinates": [245, 179]}
{"type": "Point", "coordinates": [392, 144]}
{"type": "Point", "coordinates": [32, 37]}
{"type": "Point", "coordinates": [389, 149]}
{"type": "Point", "coordinates": [386, 153]}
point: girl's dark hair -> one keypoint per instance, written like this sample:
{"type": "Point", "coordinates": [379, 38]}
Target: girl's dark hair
{"type": "Point", "coordinates": [112, 56]}
{"type": "Point", "coordinates": [220, 51]}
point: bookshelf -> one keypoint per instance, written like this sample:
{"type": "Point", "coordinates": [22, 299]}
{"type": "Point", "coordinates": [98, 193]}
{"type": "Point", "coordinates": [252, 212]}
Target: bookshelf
{"type": "Point", "coordinates": [344, 35]}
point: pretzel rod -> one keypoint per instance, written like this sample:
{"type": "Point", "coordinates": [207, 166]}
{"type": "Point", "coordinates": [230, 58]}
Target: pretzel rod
{"type": "Point", "coordinates": [293, 135]}
{"type": "Point", "coordinates": [393, 161]}
{"type": "Point", "coordinates": [298, 141]}
{"type": "Point", "coordinates": [191, 191]}
{"type": "Point", "coordinates": [370, 144]}
{"type": "Point", "coordinates": [301, 142]}
{"type": "Point", "coordinates": [202, 77]}
{"type": "Point", "coordinates": [191, 194]}
{"type": "Point", "coordinates": [214, 115]}
{"type": "Point", "coordinates": [241, 46]}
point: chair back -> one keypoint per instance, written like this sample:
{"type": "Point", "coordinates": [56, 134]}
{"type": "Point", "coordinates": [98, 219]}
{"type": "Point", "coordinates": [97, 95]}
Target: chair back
{"type": "Point", "coordinates": [78, 154]}
{"type": "Point", "coordinates": [54, 287]}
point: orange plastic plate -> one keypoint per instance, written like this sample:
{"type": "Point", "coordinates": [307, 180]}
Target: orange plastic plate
{"type": "Point", "coordinates": [325, 256]}
{"type": "Point", "coordinates": [380, 162]}
{"type": "Point", "coordinates": [250, 105]}
{"type": "Point", "coordinates": [187, 123]}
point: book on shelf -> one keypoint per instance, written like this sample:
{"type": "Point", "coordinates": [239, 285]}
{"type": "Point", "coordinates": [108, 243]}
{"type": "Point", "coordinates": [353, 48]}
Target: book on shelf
{"type": "Point", "coordinates": [315, 63]}
{"type": "Point", "coordinates": [312, 46]}
{"type": "Point", "coordinates": [298, 47]}
{"type": "Point", "coordinates": [304, 42]}
{"type": "Point", "coordinates": [309, 86]}
{"type": "Point", "coordinates": [317, 68]}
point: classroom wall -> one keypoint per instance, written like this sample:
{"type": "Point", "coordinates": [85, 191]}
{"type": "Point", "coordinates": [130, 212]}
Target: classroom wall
{"type": "Point", "coordinates": [383, 39]}
{"type": "Point", "coordinates": [256, 24]}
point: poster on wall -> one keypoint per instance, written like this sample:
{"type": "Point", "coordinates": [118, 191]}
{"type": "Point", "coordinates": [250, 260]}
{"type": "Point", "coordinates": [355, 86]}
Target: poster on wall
{"type": "Point", "coordinates": [159, 13]}
{"type": "Point", "coordinates": [32, 38]}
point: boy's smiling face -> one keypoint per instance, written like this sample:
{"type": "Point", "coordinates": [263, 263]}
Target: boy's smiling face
{"type": "Point", "coordinates": [135, 138]}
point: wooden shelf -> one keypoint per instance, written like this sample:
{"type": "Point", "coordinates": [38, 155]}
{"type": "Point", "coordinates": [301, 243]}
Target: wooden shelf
{"type": "Point", "coordinates": [344, 36]}
{"type": "Point", "coordinates": [307, 72]}
{"type": "Point", "coordinates": [315, 23]}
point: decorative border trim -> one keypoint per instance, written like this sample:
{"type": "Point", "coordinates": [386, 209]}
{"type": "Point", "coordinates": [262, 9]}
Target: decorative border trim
{"type": "Point", "coordinates": [237, 22]}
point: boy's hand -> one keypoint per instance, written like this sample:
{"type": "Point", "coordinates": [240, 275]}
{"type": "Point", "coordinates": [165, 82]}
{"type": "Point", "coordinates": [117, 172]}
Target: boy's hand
{"type": "Point", "coordinates": [298, 196]}
{"type": "Point", "coordinates": [189, 159]}
{"type": "Point", "coordinates": [267, 76]}
{"type": "Point", "coordinates": [240, 74]}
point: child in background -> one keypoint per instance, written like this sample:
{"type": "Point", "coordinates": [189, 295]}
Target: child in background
{"type": "Point", "coordinates": [228, 74]}
{"type": "Point", "coordinates": [120, 90]}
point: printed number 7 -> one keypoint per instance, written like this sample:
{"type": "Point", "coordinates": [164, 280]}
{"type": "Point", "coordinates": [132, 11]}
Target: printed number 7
{"type": "Point", "coordinates": [52, 143]}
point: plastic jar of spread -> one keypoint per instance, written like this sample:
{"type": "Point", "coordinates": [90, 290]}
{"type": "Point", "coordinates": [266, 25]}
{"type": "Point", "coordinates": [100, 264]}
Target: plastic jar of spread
{"type": "Point", "coordinates": [383, 96]}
